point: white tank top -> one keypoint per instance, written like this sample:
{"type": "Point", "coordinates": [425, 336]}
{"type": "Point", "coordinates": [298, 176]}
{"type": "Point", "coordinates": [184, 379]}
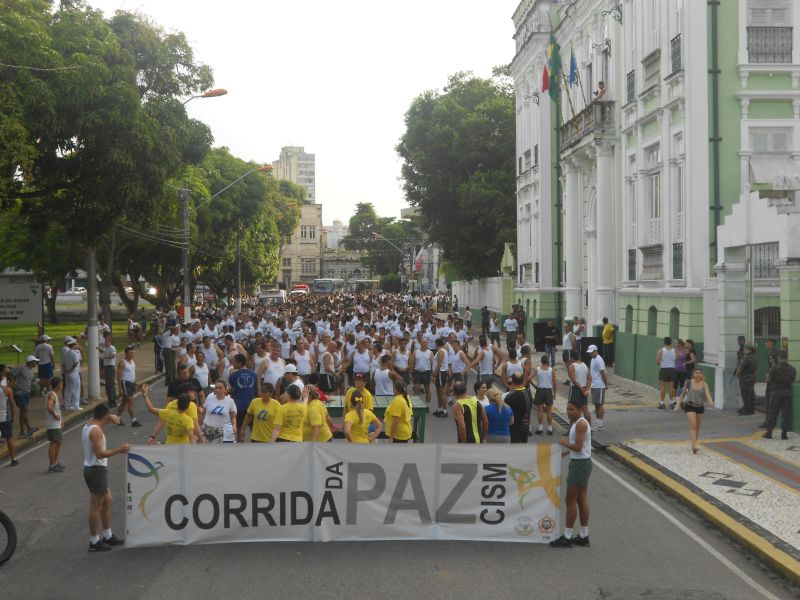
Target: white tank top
{"type": "Point", "coordinates": [89, 457]}
{"type": "Point", "coordinates": [512, 368]}
{"type": "Point", "coordinates": [458, 363]}
{"type": "Point", "coordinates": [128, 371]}
{"type": "Point", "coordinates": [303, 362]}
{"type": "Point", "coordinates": [544, 378]}
{"type": "Point", "coordinates": [331, 366]}
{"type": "Point", "coordinates": [49, 421]}
{"type": "Point", "coordinates": [274, 371]}
{"type": "Point", "coordinates": [581, 373]}
{"type": "Point", "coordinates": [361, 362]}
{"type": "Point", "coordinates": [383, 383]}
{"type": "Point", "coordinates": [401, 359]}
{"type": "Point", "coordinates": [668, 358]}
{"type": "Point", "coordinates": [487, 362]}
{"type": "Point", "coordinates": [441, 360]}
{"type": "Point", "coordinates": [201, 374]}
{"type": "Point", "coordinates": [566, 342]}
{"type": "Point", "coordinates": [211, 356]}
{"type": "Point", "coordinates": [285, 349]}
{"type": "Point", "coordinates": [190, 360]}
{"type": "Point", "coordinates": [349, 349]}
{"type": "Point", "coordinates": [258, 361]}
{"type": "Point", "coordinates": [422, 360]}
{"type": "Point", "coordinates": [586, 449]}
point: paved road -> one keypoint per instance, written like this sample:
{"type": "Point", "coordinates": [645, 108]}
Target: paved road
{"type": "Point", "coordinates": [640, 549]}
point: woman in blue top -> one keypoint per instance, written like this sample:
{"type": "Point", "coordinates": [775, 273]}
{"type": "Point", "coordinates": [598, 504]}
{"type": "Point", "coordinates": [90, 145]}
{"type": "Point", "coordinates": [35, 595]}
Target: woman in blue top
{"type": "Point", "coordinates": [501, 418]}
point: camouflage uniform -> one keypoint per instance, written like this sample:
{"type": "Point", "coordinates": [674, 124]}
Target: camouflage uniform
{"type": "Point", "coordinates": [747, 382]}
{"type": "Point", "coordinates": [781, 378]}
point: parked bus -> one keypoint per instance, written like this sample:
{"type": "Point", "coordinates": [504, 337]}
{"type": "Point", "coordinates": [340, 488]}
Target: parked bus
{"type": "Point", "coordinates": [327, 286]}
{"type": "Point", "coordinates": [363, 285]}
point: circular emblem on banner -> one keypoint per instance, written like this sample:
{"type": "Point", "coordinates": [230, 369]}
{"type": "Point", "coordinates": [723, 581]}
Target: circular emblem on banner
{"type": "Point", "coordinates": [524, 526]}
{"type": "Point", "coordinates": [546, 526]}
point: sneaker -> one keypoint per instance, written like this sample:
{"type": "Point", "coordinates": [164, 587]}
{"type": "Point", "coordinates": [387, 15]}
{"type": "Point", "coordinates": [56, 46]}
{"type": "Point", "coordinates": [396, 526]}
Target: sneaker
{"type": "Point", "coordinates": [549, 432]}
{"type": "Point", "coordinates": [662, 406]}
{"type": "Point", "coordinates": [136, 424]}
{"type": "Point", "coordinates": [538, 432]}
{"type": "Point", "coordinates": [767, 435]}
{"type": "Point", "coordinates": [24, 434]}
{"type": "Point", "coordinates": [99, 546]}
{"type": "Point", "coordinates": [601, 428]}
{"type": "Point", "coordinates": [113, 541]}
{"type": "Point", "coordinates": [672, 405]}
{"type": "Point", "coordinates": [32, 430]}
{"type": "Point", "coordinates": [581, 541]}
{"type": "Point", "coordinates": [121, 424]}
{"type": "Point", "coordinates": [562, 542]}
{"type": "Point", "coordinates": [784, 435]}
{"type": "Point", "coordinates": [56, 468]}
{"type": "Point", "coordinates": [14, 462]}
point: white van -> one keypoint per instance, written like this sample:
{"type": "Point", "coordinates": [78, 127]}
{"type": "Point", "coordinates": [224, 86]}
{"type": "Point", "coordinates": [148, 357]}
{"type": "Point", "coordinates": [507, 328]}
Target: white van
{"type": "Point", "coordinates": [272, 297]}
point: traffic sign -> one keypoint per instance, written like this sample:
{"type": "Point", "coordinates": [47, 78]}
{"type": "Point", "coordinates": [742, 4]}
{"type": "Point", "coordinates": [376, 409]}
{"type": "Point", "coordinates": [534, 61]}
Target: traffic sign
{"type": "Point", "coordinates": [20, 303]}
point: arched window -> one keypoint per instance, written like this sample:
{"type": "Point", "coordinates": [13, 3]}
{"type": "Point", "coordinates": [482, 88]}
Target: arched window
{"type": "Point", "coordinates": [674, 323]}
{"type": "Point", "coordinates": [629, 319]}
{"type": "Point", "coordinates": [652, 320]}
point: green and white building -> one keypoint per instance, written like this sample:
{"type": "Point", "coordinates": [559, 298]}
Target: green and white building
{"type": "Point", "coordinates": [670, 203]}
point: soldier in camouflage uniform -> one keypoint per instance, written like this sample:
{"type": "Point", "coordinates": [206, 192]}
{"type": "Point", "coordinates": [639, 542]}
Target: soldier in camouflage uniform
{"type": "Point", "coordinates": [772, 360]}
{"type": "Point", "coordinates": [781, 378]}
{"type": "Point", "coordinates": [746, 372]}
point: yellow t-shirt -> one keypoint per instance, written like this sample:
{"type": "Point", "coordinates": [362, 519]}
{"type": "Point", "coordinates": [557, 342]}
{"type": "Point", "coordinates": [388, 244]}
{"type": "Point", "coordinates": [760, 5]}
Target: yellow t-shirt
{"type": "Point", "coordinates": [398, 408]}
{"type": "Point", "coordinates": [178, 424]}
{"type": "Point", "coordinates": [359, 431]}
{"type": "Point", "coordinates": [263, 414]}
{"type": "Point", "coordinates": [608, 333]}
{"type": "Point", "coordinates": [191, 411]}
{"type": "Point", "coordinates": [316, 414]}
{"type": "Point", "coordinates": [290, 418]}
{"type": "Point", "coordinates": [369, 404]}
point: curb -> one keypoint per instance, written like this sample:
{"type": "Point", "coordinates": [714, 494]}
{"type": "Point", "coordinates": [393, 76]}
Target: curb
{"type": "Point", "coordinates": [776, 558]}
{"type": "Point", "coordinates": [81, 415]}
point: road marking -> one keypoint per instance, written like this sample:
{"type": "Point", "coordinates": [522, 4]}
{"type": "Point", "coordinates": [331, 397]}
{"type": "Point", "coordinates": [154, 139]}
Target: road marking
{"type": "Point", "coordinates": [700, 541]}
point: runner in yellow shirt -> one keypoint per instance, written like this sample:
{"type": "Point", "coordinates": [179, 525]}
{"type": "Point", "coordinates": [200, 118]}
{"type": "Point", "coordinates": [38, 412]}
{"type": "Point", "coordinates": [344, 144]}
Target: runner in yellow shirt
{"type": "Point", "coordinates": [192, 411]}
{"type": "Point", "coordinates": [288, 425]}
{"type": "Point", "coordinates": [261, 414]}
{"type": "Point", "coordinates": [315, 427]}
{"type": "Point", "coordinates": [366, 396]}
{"type": "Point", "coordinates": [357, 422]}
{"type": "Point", "coordinates": [180, 426]}
{"type": "Point", "coordinates": [397, 419]}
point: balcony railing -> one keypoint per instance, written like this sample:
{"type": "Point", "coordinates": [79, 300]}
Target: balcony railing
{"type": "Point", "coordinates": [630, 85]}
{"type": "Point", "coordinates": [769, 44]}
{"type": "Point", "coordinates": [652, 69]}
{"type": "Point", "coordinates": [652, 262]}
{"type": "Point", "coordinates": [675, 48]}
{"type": "Point", "coordinates": [598, 117]}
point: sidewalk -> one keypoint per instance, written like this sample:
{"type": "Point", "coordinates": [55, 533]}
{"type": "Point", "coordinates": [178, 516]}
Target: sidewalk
{"type": "Point", "coordinates": [747, 486]}
{"type": "Point", "coordinates": [145, 373]}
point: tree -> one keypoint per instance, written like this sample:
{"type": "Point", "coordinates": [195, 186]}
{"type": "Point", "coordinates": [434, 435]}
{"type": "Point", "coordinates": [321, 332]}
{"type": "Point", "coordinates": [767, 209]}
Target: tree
{"type": "Point", "coordinates": [458, 169]}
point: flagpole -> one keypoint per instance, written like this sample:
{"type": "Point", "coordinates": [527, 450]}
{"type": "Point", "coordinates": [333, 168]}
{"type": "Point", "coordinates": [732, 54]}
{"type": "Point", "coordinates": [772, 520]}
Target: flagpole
{"type": "Point", "coordinates": [566, 85]}
{"type": "Point", "coordinates": [578, 77]}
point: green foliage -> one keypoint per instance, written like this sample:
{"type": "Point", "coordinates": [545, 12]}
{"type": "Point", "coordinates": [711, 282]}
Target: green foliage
{"type": "Point", "coordinates": [458, 169]}
{"type": "Point", "coordinates": [390, 282]}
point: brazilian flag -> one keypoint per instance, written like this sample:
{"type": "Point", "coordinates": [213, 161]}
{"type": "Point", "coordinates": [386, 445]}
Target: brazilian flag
{"type": "Point", "coordinates": [554, 66]}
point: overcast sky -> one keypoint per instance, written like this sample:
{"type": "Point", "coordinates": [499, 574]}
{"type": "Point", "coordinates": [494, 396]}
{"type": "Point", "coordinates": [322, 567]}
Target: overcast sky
{"type": "Point", "coordinates": [334, 77]}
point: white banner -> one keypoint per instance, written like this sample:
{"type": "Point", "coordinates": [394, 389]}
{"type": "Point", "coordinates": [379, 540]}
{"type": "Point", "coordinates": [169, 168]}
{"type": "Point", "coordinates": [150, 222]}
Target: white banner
{"type": "Point", "coordinates": [203, 494]}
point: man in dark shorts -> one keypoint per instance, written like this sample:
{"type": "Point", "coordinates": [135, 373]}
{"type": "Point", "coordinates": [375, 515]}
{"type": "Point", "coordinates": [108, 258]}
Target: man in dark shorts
{"type": "Point", "coordinates": [95, 473]}
{"type": "Point", "coordinates": [7, 416]}
{"type": "Point", "coordinates": [520, 403]}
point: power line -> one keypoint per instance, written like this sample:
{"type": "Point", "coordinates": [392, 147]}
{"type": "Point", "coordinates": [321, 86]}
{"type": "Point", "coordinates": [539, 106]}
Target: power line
{"type": "Point", "coordinates": [23, 67]}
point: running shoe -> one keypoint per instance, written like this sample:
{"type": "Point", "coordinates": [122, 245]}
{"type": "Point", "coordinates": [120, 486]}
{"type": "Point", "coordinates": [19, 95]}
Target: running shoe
{"type": "Point", "coordinates": [601, 428]}
{"type": "Point", "coordinates": [581, 541]}
{"type": "Point", "coordinates": [113, 541]}
{"type": "Point", "coordinates": [538, 432]}
{"type": "Point", "coordinates": [549, 432]}
{"type": "Point", "coordinates": [99, 546]}
{"type": "Point", "coordinates": [32, 430]}
{"type": "Point", "coordinates": [662, 406]}
{"type": "Point", "coordinates": [14, 462]}
{"type": "Point", "coordinates": [136, 424]}
{"type": "Point", "coordinates": [562, 542]}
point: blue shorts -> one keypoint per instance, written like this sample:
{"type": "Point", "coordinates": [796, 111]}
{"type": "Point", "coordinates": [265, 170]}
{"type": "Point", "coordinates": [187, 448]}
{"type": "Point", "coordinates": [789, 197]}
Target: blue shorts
{"type": "Point", "coordinates": [7, 430]}
{"type": "Point", "coordinates": [22, 399]}
{"type": "Point", "coordinates": [46, 371]}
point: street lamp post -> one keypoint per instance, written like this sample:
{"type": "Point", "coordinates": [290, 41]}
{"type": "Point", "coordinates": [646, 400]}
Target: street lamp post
{"type": "Point", "coordinates": [208, 94]}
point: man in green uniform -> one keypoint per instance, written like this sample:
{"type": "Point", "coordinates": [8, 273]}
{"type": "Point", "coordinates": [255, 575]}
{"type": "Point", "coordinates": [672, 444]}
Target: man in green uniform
{"type": "Point", "coordinates": [781, 378]}
{"type": "Point", "coordinates": [746, 372]}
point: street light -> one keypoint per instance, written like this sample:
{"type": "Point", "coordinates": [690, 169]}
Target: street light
{"type": "Point", "coordinates": [187, 283]}
{"type": "Point", "coordinates": [209, 94]}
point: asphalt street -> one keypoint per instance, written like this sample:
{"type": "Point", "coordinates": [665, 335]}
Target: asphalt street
{"type": "Point", "coordinates": [643, 545]}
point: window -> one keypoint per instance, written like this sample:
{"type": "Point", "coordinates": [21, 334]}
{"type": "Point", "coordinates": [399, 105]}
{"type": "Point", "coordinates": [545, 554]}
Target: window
{"type": "Point", "coordinates": [630, 84]}
{"type": "Point", "coordinates": [527, 159]}
{"type": "Point", "coordinates": [519, 166]}
{"type": "Point", "coordinates": [286, 262]}
{"type": "Point", "coordinates": [677, 260]}
{"type": "Point", "coordinates": [764, 257]}
{"type": "Point", "coordinates": [312, 232]}
{"type": "Point", "coordinates": [654, 204]}
{"type": "Point", "coordinates": [303, 232]}
{"type": "Point", "coordinates": [651, 26]}
{"type": "Point", "coordinates": [767, 323]}
{"type": "Point", "coordinates": [680, 209]}
{"type": "Point", "coordinates": [770, 140]}
{"type": "Point", "coordinates": [769, 40]}
{"type": "Point", "coordinates": [632, 264]}
{"type": "Point", "coordinates": [536, 154]}
{"type": "Point", "coordinates": [652, 320]}
{"type": "Point", "coordinates": [629, 319]}
{"type": "Point", "coordinates": [652, 69]}
{"type": "Point", "coordinates": [536, 273]}
{"type": "Point", "coordinates": [675, 48]}
{"type": "Point", "coordinates": [308, 266]}
{"type": "Point", "coordinates": [674, 323]}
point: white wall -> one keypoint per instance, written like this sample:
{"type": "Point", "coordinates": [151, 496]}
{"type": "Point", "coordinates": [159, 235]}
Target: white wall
{"type": "Point", "coordinates": [479, 293]}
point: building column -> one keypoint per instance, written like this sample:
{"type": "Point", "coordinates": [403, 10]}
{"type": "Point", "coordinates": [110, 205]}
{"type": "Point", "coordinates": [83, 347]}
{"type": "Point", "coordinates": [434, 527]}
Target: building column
{"type": "Point", "coordinates": [789, 274]}
{"type": "Point", "coordinates": [572, 240]}
{"type": "Point", "coordinates": [732, 319]}
{"type": "Point", "coordinates": [604, 290]}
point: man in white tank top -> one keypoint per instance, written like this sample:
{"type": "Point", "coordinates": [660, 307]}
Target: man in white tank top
{"type": "Point", "coordinates": [401, 360]}
{"type": "Point", "coordinates": [546, 382]}
{"type": "Point", "coordinates": [422, 363]}
{"type": "Point", "coordinates": [665, 358]}
{"type": "Point", "coordinates": [126, 377]}
{"type": "Point", "coordinates": [598, 382]}
{"type": "Point", "coordinates": [271, 369]}
{"type": "Point", "coordinates": [579, 378]}
{"type": "Point", "coordinates": [95, 473]}
{"type": "Point", "coordinates": [578, 445]}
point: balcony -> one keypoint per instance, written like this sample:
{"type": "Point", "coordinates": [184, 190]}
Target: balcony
{"type": "Point", "coordinates": [595, 119]}
{"type": "Point", "coordinates": [769, 44]}
{"type": "Point", "coordinates": [675, 53]}
{"type": "Point", "coordinates": [652, 262]}
{"type": "Point", "coordinates": [651, 65]}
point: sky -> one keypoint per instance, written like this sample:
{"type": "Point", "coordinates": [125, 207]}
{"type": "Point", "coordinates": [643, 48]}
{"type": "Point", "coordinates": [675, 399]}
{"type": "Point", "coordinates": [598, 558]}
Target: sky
{"type": "Point", "coordinates": [334, 77]}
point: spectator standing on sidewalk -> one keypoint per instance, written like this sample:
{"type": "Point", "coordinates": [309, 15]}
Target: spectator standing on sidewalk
{"type": "Point", "coordinates": [598, 383]}
{"type": "Point", "coordinates": [468, 320]}
{"type": "Point", "coordinates": [22, 377]}
{"type": "Point", "coordinates": [550, 342]}
{"type": "Point", "coordinates": [510, 325]}
{"type": "Point", "coordinates": [665, 359]}
{"type": "Point", "coordinates": [71, 364]}
{"type": "Point", "coordinates": [781, 377]}
{"type": "Point", "coordinates": [578, 378]}
{"type": "Point", "coordinates": [108, 358]}
{"type": "Point", "coordinates": [746, 372]}
{"type": "Point", "coordinates": [7, 415]}
{"type": "Point", "coordinates": [567, 345]}
{"type": "Point", "coordinates": [53, 423]}
{"type": "Point", "coordinates": [608, 342]}
{"type": "Point", "coordinates": [44, 352]}
{"type": "Point", "coordinates": [693, 400]}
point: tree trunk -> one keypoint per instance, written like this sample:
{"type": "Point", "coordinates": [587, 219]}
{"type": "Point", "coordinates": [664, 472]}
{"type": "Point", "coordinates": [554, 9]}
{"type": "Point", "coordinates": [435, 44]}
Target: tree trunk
{"type": "Point", "coordinates": [51, 293]}
{"type": "Point", "coordinates": [131, 304]}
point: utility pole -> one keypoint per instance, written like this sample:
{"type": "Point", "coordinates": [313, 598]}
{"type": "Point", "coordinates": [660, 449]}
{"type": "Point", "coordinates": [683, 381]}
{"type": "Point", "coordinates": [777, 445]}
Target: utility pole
{"type": "Point", "coordinates": [187, 282]}
{"type": "Point", "coordinates": [239, 272]}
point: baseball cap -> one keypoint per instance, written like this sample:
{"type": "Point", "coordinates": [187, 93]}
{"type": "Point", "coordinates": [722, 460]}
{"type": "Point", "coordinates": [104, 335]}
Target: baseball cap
{"type": "Point", "coordinates": [31, 358]}
{"type": "Point", "coordinates": [290, 368]}
{"type": "Point", "coordinates": [591, 349]}
{"type": "Point", "coordinates": [70, 340]}
{"type": "Point", "coordinates": [45, 337]}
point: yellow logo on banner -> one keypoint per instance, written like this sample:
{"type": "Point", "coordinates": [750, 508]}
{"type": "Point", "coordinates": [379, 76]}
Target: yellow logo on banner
{"type": "Point", "coordinates": [527, 481]}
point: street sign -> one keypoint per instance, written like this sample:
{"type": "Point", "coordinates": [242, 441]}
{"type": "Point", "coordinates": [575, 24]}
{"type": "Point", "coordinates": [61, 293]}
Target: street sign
{"type": "Point", "coordinates": [20, 303]}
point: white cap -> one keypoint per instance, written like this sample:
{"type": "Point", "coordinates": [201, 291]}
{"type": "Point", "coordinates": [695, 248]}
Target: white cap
{"type": "Point", "coordinates": [591, 349]}
{"type": "Point", "coordinates": [31, 358]}
{"type": "Point", "coordinates": [290, 368]}
{"type": "Point", "coordinates": [70, 340]}
{"type": "Point", "coordinates": [45, 337]}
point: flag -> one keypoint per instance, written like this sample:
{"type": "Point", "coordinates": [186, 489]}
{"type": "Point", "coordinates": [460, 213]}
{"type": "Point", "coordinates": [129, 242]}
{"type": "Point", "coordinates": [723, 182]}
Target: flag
{"type": "Point", "coordinates": [420, 259]}
{"type": "Point", "coordinates": [573, 68]}
{"type": "Point", "coordinates": [554, 64]}
{"type": "Point", "coordinates": [545, 80]}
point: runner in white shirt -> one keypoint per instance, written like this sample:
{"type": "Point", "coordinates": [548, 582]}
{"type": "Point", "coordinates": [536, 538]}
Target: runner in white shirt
{"type": "Point", "coordinates": [219, 417]}
{"type": "Point", "coordinates": [126, 378]}
{"type": "Point", "coordinates": [546, 382]}
{"type": "Point", "coordinates": [423, 361]}
{"type": "Point", "coordinates": [598, 382]}
{"type": "Point", "coordinates": [272, 369]}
